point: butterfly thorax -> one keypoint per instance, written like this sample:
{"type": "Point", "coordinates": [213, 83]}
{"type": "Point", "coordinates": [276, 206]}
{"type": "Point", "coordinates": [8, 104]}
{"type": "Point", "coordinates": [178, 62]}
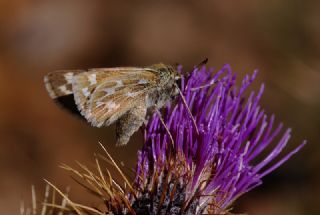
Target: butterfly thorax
{"type": "Point", "coordinates": [165, 89]}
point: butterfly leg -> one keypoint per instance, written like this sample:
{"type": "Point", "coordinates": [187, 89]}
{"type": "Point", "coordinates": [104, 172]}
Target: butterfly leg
{"type": "Point", "coordinates": [129, 123]}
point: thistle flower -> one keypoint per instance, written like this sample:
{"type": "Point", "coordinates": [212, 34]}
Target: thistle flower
{"type": "Point", "coordinates": [207, 172]}
{"type": "Point", "coordinates": [184, 170]}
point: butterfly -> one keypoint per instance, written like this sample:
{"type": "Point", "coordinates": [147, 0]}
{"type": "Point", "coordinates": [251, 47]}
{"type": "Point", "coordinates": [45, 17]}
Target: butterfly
{"type": "Point", "coordinates": [121, 95]}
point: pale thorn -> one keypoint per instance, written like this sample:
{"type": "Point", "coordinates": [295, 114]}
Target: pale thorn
{"type": "Point", "coordinates": [188, 109]}
{"type": "Point", "coordinates": [165, 126]}
{"type": "Point", "coordinates": [204, 86]}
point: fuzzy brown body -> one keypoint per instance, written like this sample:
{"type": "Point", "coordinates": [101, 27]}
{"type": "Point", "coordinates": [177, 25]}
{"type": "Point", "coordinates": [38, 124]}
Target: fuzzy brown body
{"type": "Point", "coordinates": [122, 95]}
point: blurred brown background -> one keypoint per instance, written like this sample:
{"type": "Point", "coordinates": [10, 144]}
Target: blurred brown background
{"type": "Point", "coordinates": [280, 38]}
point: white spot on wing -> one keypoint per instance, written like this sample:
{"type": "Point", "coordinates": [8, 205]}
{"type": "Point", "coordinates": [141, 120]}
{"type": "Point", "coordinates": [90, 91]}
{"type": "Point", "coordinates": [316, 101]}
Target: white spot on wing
{"type": "Point", "coordinates": [92, 79]}
{"type": "Point", "coordinates": [149, 101]}
{"type": "Point", "coordinates": [86, 92]}
{"type": "Point", "coordinates": [68, 76]}
{"type": "Point", "coordinates": [109, 91]}
{"type": "Point", "coordinates": [64, 89]}
{"type": "Point", "coordinates": [142, 81]}
{"type": "Point", "coordinates": [119, 83]}
{"type": "Point", "coordinates": [98, 104]}
{"type": "Point", "coordinates": [129, 94]}
{"type": "Point", "coordinates": [112, 105]}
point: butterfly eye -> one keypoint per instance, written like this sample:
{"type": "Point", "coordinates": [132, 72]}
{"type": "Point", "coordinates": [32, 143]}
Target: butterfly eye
{"type": "Point", "coordinates": [162, 70]}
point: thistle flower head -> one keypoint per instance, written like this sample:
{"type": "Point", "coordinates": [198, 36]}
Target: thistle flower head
{"type": "Point", "coordinates": [184, 170]}
{"type": "Point", "coordinates": [206, 172]}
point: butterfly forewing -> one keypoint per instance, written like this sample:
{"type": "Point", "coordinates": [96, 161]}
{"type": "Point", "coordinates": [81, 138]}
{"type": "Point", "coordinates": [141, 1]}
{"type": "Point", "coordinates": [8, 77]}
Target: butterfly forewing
{"type": "Point", "coordinates": [59, 83]}
{"type": "Point", "coordinates": [59, 87]}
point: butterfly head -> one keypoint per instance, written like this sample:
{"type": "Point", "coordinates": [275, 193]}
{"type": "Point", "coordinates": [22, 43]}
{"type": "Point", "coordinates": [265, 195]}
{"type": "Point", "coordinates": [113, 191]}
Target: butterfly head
{"type": "Point", "coordinates": [168, 72]}
{"type": "Point", "coordinates": [175, 75]}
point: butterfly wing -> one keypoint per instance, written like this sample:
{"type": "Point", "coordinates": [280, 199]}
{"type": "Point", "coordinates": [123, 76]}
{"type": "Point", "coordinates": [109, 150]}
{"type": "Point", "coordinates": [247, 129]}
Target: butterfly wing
{"type": "Point", "coordinates": [59, 87]}
{"type": "Point", "coordinates": [104, 95]}
{"type": "Point", "coordinates": [59, 83]}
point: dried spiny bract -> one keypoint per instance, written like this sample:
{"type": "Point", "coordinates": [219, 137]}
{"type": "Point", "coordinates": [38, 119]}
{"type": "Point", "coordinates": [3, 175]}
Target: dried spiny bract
{"type": "Point", "coordinates": [107, 95]}
{"type": "Point", "coordinates": [51, 204]}
{"type": "Point", "coordinates": [163, 193]}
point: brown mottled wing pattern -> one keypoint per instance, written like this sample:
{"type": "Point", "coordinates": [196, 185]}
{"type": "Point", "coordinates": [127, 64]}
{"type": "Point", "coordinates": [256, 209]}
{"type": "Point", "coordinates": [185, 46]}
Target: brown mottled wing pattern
{"type": "Point", "coordinates": [59, 87]}
{"type": "Point", "coordinates": [105, 95]}
{"type": "Point", "coordinates": [59, 83]}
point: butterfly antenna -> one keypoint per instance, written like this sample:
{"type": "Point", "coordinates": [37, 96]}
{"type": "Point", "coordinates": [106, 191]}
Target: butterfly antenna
{"type": "Point", "coordinates": [189, 111]}
{"type": "Point", "coordinates": [165, 126]}
{"type": "Point", "coordinates": [204, 62]}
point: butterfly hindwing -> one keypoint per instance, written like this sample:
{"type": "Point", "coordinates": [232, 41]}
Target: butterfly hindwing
{"type": "Point", "coordinates": [108, 104]}
{"type": "Point", "coordinates": [104, 95]}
